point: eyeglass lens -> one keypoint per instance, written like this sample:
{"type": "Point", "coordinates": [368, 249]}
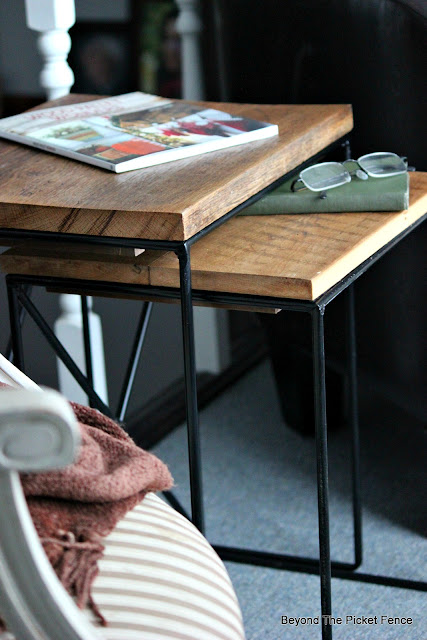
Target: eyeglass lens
{"type": "Point", "coordinates": [382, 164]}
{"type": "Point", "coordinates": [325, 175]}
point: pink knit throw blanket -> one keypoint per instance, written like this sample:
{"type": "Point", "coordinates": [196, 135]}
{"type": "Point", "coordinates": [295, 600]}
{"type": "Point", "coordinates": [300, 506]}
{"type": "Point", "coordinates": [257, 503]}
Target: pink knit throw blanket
{"type": "Point", "coordinates": [75, 507]}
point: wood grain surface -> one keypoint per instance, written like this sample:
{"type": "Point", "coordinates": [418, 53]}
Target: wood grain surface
{"type": "Point", "coordinates": [46, 192]}
{"type": "Point", "coordinates": [286, 256]}
{"type": "Point", "coordinates": [91, 263]}
{"type": "Point", "coordinates": [82, 262]}
{"type": "Point", "coordinates": [290, 256]}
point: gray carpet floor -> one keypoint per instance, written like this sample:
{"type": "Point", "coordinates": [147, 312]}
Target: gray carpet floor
{"type": "Point", "coordinates": [260, 492]}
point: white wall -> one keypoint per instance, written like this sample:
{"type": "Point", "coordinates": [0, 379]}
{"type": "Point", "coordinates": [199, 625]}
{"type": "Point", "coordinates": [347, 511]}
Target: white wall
{"type": "Point", "coordinates": [98, 10]}
{"type": "Point", "coordinates": [162, 357]}
{"type": "Point", "coordinates": [19, 62]}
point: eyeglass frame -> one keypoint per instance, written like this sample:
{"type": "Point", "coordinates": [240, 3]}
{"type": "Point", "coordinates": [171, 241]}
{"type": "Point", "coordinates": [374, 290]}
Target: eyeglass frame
{"type": "Point", "coordinates": [361, 173]}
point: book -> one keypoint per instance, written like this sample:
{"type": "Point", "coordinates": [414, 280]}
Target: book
{"type": "Point", "coordinates": [373, 194]}
{"type": "Point", "coordinates": [132, 131]}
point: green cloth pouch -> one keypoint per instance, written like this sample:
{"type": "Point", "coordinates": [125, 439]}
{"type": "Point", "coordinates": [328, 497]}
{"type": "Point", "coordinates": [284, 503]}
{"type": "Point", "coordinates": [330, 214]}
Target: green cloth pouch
{"type": "Point", "coordinates": [373, 194]}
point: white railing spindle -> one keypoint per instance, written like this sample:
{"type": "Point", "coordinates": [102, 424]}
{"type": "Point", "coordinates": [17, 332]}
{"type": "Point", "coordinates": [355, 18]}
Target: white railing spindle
{"type": "Point", "coordinates": [53, 19]}
{"type": "Point", "coordinates": [189, 27]}
{"type": "Point", "coordinates": [210, 325]}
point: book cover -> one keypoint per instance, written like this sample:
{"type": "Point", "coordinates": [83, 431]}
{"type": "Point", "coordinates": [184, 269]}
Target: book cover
{"type": "Point", "coordinates": [132, 131]}
{"type": "Point", "coordinates": [373, 194]}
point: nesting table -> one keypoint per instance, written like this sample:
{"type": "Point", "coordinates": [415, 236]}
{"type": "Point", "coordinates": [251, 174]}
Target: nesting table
{"type": "Point", "coordinates": [167, 207]}
{"type": "Point", "coordinates": [270, 263]}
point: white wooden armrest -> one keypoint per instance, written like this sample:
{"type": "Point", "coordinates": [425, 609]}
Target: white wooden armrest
{"type": "Point", "coordinates": [37, 431]}
{"type": "Point", "coordinates": [158, 577]}
{"type": "Point", "coordinates": [12, 376]}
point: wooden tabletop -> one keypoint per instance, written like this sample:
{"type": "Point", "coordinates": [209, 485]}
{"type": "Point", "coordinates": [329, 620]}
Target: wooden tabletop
{"type": "Point", "coordinates": [285, 256]}
{"type": "Point", "coordinates": [45, 192]}
{"type": "Point", "coordinates": [290, 256]}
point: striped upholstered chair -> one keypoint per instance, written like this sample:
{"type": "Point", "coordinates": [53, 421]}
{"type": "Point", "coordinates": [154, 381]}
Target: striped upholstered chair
{"type": "Point", "coordinates": [158, 577]}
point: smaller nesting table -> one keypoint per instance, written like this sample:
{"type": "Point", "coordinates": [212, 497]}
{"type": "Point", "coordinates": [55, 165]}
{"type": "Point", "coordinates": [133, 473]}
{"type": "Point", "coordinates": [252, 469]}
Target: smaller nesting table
{"type": "Point", "coordinates": [268, 263]}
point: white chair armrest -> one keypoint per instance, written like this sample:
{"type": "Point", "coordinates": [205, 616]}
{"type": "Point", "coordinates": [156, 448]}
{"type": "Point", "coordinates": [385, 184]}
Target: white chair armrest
{"type": "Point", "coordinates": [12, 376]}
{"type": "Point", "coordinates": [156, 568]}
{"type": "Point", "coordinates": [37, 431]}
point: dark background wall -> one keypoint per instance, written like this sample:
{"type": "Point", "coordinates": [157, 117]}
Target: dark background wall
{"type": "Point", "coordinates": [373, 56]}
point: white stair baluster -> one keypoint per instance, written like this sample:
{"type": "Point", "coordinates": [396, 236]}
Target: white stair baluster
{"type": "Point", "coordinates": [53, 18]}
{"type": "Point", "coordinates": [212, 344]}
{"type": "Point", "coordinates": [189, 27]}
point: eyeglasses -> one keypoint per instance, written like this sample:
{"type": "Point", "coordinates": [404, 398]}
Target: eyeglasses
{"type": "Point", "coordinates": [328, 175]}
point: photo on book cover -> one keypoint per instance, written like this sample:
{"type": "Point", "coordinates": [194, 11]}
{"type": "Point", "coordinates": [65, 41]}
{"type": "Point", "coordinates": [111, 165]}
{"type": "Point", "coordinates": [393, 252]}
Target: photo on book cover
{"type": "Point", "coordinates": [144, 132]}
{"type": "Point", "coordinates": [174, 126]}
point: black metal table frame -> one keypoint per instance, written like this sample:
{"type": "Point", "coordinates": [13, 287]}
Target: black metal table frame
{"type": "Point", "coordinates": [17, 286]}
{"type": "Point", "coordinates": [182, 250]}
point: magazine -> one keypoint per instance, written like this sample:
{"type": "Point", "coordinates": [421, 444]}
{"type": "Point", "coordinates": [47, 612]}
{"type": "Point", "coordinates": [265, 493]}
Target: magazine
{"type": "Point", "coordinates": [132, 131]}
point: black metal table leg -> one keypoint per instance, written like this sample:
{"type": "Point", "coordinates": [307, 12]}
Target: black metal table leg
{"type": "Point", "coordinates": [197, 511]}
{"type": "Point", "coordinates": [9, 348]}
{"type": "Point", "coordinates": [87, 342]}
{"type": "Point", "coordinates": [318, 338]}
{"type": "Point", "coordinates": [134, 359]}
{"type": "Point", "coordinates": [34, 313]}
{"type": "Point", "coordinates": [353, 417]}
{"type": "Point", "coordinates": [15, 325]}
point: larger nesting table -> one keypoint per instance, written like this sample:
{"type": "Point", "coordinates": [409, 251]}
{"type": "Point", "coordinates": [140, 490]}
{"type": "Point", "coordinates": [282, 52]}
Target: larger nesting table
{"type": "Point", "coordinates": [168, 208]}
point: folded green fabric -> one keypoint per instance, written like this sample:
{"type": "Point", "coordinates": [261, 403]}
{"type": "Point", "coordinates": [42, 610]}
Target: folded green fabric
{"type": "Point", "coordinates": [374, 194]}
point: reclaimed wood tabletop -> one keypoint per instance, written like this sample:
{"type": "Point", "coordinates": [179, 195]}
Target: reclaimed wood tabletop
{"type": "Point", "coordinates": [46, 192]}
{"type": "Point", "coordinates": [290, 256]}
{"type": "Point", "coordinates": [284, 256]}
